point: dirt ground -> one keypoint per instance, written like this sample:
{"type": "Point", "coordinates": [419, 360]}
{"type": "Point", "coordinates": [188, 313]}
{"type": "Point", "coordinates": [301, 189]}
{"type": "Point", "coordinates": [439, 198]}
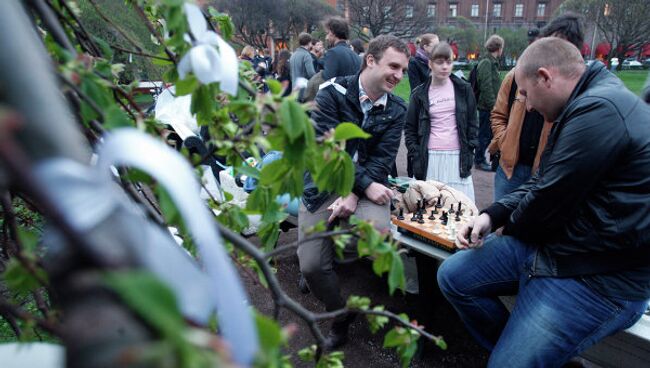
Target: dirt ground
{"type": "Point", "coordinates": [365, 349]}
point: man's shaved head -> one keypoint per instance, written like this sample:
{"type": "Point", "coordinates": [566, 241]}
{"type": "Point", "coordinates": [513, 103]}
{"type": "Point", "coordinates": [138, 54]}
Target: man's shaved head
{"type": "Point", "coordinates": [551, 53]}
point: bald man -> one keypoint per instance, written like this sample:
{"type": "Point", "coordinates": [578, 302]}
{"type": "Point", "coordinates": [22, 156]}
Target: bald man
{"type": "Point", "coordinates": [576, 240]}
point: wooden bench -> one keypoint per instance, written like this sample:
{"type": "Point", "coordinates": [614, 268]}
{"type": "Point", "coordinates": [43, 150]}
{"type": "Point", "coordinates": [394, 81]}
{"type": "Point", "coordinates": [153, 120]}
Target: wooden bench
{"type": "Point", "coordinates": [628, 348]}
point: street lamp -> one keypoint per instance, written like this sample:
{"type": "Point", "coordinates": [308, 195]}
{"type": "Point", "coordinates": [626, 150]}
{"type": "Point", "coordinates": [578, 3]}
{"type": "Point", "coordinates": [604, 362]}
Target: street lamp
{"type": "Point", "coordinates": [487, 11]}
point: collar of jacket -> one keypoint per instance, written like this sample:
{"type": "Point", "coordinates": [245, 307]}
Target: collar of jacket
{"type": "Point", "coordinates": [343, 43]}
{"type": "Point", "coordinates": [592, 72]}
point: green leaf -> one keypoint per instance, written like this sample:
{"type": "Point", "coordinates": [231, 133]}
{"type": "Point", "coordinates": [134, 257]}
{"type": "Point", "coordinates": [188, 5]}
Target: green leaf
{"type": "Point", "coordinates": [307, 354]}
{"type": "Point", "coordinates": [150, 299]}
{"type": "Point", "coordinates": [347, 131]}
{"type": "Point", "coordinates": [105, 48]}
{"type": "Point", "coordinates": [19, 279]}
{"type": "Point", "coordinates": [396, 277]}
{"type": "Point", "coordinates": [274, 172]}
{"type": "Point", "coordinates": [358, 302]}
{"type": "Point", "coordinates": [187, 85]}
{"type": "Point", "coordinates": [396, 337]}
{"type": "Point", "coordinates": [248, 170]}
{"type": "Point", "coordinates": [347, 175]}
{"type": "Point", "coordinates": [167, 206]}
{"type": "Point", "coordinates": [28, 239]}
{"type": "Point", "coordinates": [203, 104]}
{"type": "Point", "coordinates": [114, 118]}
{"type": "Point", "coordinates": [274, 86]}
{"type": "Point", "coordinates": [269, 234]}
{"type": "Point", "coordinates": [269, 332]}
{"type": "Point", "coordinates": [441, 344]}
{"type": "Point", "coordinates": [293, 119]}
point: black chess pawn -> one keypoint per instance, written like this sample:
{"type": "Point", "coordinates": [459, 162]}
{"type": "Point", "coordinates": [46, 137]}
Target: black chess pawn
{"type": "Point", "coordinates": [415, 216]}
{"type": "Point", "coordinates": [420, 219]}
{"type": "Point", "coordinates": [451, 210]}
{"type": "Point", "coordinates": [439, 203]}
{"type": "Point", "coordinates": [460, 206]}
{"type": "Point", "coordinates": [457, 216]}
{"type": "Point", "coordinates": [433, 215]}
{"type": "Point", "coordinates": [444, 218]}
{"type": "Point", "coordinates": [401, 214]}
{"type": "Point", "coordinates": [417, 208]}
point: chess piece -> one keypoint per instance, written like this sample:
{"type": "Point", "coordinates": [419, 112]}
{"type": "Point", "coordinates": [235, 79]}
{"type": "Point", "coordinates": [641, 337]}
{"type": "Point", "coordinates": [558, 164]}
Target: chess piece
{"type": "Point", "coordinates": [415, 216]}
{"type": "Point", "coordinates": [444, 218]}
{"type": "Point", "coordinates": [460, 206]}
{"type": "Point", "coordinates": [457, 216]}
{"type": "Point", "coordinates": [439, 203]}
{"type": "Point", "coordinates": [401, 214]}
{"type": "Point", "coordinates": [420, 219]}
{"type": "Point", "coordinates": [451, 210]}
{"type": "Point", "coordinates": [417, 208]}
{"type": "Point", "coordinates": [432, 216]}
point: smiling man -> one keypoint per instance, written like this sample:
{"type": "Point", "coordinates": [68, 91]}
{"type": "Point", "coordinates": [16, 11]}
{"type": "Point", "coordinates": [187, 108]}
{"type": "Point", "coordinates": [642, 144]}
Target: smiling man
{"type": "Point", "coordinates": [576, 240]}
{"type": "Point", "coordinates": [365, 99]}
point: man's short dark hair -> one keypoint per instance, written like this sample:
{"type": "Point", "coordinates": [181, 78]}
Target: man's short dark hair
{"type": "Point", "coordinates": [357, 45]}
{"type": "Point", "coordinates": [379, 44]}
{"type": "Point", "coordinates": [338, 26]}
{"type": "Point", "coordinates": [304, 39]}
{"type": "Point", "coordinates": [567, 26]}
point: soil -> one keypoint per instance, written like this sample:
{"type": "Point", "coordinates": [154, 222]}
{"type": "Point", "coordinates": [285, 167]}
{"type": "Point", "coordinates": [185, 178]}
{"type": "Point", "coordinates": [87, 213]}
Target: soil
{"type": "Point", "coordinates": [363, 348]}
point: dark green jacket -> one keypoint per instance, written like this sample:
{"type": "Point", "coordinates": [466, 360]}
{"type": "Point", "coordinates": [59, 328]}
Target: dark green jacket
{"type": "Point", "coordinates": [487, 76]}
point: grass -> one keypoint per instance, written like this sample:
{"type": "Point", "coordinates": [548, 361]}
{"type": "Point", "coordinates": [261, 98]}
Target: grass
{"type": "Point", "coordinates": [633, 80]}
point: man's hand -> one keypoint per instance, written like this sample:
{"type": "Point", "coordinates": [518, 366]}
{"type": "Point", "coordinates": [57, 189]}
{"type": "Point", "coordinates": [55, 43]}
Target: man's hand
{"type": "Point", "coordinates": [471, 235]}
{"type": "Point", "coordinates": [378, 193]}
{"type": "Point", "coordinates": [343, 207]}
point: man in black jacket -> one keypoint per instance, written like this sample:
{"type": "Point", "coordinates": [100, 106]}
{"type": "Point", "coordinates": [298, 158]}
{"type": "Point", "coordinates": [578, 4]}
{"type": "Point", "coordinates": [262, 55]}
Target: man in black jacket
{"type": "Point", "coordinates": [576, 241]}
{"type": "Point", "coordinates": [339, 60]}
{"type": "Point", "coordinates": [366, 100]}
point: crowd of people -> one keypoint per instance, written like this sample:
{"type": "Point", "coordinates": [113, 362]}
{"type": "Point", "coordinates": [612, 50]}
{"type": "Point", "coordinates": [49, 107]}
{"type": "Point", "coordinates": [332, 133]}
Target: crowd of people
{"type": "Point", "coordinates": [571, 149]}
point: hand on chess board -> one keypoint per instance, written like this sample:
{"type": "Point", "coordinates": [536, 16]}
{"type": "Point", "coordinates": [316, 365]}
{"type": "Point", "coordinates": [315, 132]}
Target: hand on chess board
{"type": "Point", "coordinates": [471, 235]}
{"type": "Point", "coordinates": [379, 193]}
{"type": "Point", "coordinates": [343, 207]}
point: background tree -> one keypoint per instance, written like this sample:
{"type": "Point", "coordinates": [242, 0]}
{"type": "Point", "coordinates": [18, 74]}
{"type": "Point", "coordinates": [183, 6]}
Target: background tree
{"type": "Point", "coordinates": [624, 23]}
{"type": "Point", "coordinates": [404, 19]}
{"type": "Point", "coordinates": [516, 41]}
{"type": "Point", "coordinates": [465, 34]}
{"type": "Point", "coordinates": [256, 22]}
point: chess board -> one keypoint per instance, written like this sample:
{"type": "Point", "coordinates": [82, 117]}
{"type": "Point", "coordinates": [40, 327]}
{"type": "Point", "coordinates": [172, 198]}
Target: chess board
{"type": "Point", "coordinates": [432, 232]}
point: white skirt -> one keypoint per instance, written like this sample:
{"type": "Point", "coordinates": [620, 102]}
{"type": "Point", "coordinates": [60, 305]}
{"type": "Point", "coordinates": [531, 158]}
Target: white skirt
{"type": "Point", "coordinates": [444, 167]}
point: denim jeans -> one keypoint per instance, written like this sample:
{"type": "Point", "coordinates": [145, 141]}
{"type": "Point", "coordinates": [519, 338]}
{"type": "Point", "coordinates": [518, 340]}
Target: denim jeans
{"type": "Point", "coordinates": [503, 185]}
{"type": "Point", "coordinates": [553, 319]}
{"type": "Point", "coordinates": [484, 136]}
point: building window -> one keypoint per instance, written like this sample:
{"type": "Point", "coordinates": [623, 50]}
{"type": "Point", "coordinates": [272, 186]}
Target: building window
{"type": "Point", "coordinates": [431, 10]}
{"type": "Point", "coordinates": [519, 10]}
{"type": "Point", "coordinates": [409, 11]}
{"type": "Point", "coordinates": [453, 10]}
{"type": "Point", "coordinates": [541, 9]}
{"type": "Point", "coordinates": [474, 10]}
{"type": "Point", "coordinates": [496, 10]}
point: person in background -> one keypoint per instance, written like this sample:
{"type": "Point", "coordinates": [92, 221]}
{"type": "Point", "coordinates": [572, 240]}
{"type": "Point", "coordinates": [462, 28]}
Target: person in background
{"type": "Point", "coordinates": [487, 78]}
{"type": "Point", "coordinates": [357, 47]}
{"type": "Point", "coordinates": [441, 127]}
{"type": "Point", "coordinates": [247, 54]}
{"type": "Point", "coordinates": [419, 64]}
{"type": "Point", "coordinates": [281, 70]}
{"type": "Point", "coordinates": [317, 53]}
{"type": "Point", "coordinates": [339, 60]}
{"type": "Point", "coordinates": [519, 135]}
{"type": "Point", "coordinates": [302, 66]}
{"type": "Point", "coordinates": [575, 243]}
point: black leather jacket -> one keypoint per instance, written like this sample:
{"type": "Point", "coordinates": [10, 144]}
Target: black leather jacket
{"type": "Point", "coordinates": [418, 72]}
{"type": "Point", "coordinates": [588, 206]}
{"type": "Point", "coordinates": [375, 154]}
{"type": "Point", "coordinates": [418, 127]}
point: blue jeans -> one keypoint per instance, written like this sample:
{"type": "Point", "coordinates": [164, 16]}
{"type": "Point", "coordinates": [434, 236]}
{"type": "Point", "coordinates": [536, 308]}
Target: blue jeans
{"type": "Point", "coordinates": [553, 320]}
{"type": "Point", "coordinates": [484, 136]}
{"type": "Point", "coordinates": [503, 185]}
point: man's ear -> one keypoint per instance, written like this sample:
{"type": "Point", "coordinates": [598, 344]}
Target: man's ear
{"type": "Point", "coordinates": [544, 76]}
{"type": "Point", "coordinates": [370, 59]}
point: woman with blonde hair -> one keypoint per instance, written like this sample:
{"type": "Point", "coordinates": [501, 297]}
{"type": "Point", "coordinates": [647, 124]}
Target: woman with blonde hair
{"type": "Point", "coordinates": [441, 126]}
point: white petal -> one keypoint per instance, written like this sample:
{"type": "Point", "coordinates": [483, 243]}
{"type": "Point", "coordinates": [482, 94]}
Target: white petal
{"type": "Point", "coordinates": [184, 66]}
{"type": "Point", "coordinates": [229, 67]}
{"type": "Point", "coordinates": [206, 63]}
{"type": "Point", "coordinates": [195, 18]}
{"type": "Point", "coordinates": [210, 37]}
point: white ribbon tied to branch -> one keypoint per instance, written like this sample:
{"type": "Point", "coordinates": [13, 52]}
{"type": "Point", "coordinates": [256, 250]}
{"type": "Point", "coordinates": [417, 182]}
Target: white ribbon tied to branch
{"type": "Point", "coordinates": [208, 64]}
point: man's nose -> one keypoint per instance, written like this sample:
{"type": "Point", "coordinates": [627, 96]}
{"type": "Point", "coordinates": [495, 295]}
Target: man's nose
{"type": "Point", "coordinates": [399, 74]}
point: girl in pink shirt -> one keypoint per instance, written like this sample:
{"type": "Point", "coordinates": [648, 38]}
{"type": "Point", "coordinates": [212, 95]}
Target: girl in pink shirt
{"type": "Point", "coordinates": [441, 126]}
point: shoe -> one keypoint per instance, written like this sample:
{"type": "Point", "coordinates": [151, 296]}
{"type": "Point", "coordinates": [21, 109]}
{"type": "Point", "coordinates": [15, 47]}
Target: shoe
{"type": "Point", "coordinates": [302, 285]}
{"type": "Point", "coordinates": [338, 334]}
{"type": "Point", "coordinates": [483, 166]}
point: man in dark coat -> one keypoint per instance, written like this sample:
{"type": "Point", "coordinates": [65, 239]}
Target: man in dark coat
{"type": "Point", "coordinates": [576, 240]}
{"type": "Point", "coordinates": [364, 99]}
{"type": "Point", "coordinates": [339, 60]}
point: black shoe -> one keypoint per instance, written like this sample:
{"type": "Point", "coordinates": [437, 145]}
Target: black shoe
{"type": "Point", "coordinates": [338, 334]}
{"type": "Point", "coordinates": [302, 285]}
{"type": "Point", "coordinates": [483, 166]}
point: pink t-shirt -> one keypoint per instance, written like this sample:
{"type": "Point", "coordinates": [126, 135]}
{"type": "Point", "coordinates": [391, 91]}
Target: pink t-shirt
{"type": "Point", "coordinates": [442, 113]}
